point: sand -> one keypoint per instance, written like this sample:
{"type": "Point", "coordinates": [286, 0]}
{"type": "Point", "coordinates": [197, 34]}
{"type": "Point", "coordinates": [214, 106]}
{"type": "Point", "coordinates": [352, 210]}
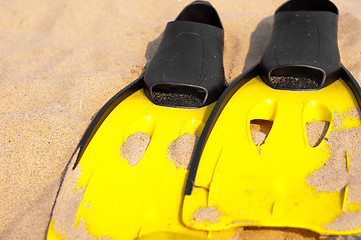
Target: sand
{"type": "Point", "coordinates": [68, 201]}
{"type": "Point", "coordinates": [209, 214]}
{"type": "Point", "coordinates": [180, 151]}
{"type": "Point", "coordinates": [316, 131]}
{"type": "Point", "coordinates": [339, 174]}
{"type": "Point", "coordinates": [134, 147]}
{"type": "Point", "coordinates": [259, 130]}
{"type": "Point", "coordinates": [293, 82]}
{"type": "Point", "coordinates": [61, 60]}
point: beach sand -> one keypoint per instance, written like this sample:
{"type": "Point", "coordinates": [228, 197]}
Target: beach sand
{"type": "Point", "coordinates": [61, 60]}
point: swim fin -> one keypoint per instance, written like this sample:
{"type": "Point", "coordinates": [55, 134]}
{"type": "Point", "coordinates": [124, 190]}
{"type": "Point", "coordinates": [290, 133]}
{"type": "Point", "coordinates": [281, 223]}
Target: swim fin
{"type": "Point", "coordinates": [280, 148]}
{"type": "Point", "coordinates": [126, 179]}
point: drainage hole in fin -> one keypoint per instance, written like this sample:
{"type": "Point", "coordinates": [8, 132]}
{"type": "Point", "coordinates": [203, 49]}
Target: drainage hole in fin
{"type": "Point", "coordinates": [181, 149]}
{"type": "Point", "coordinates": [260, 129]}
{"type": "Point", "coordinates": [296, 78]}
{"type": "Point", "coordinates": [178, 96]}
{"type": "Point", "coordinates": [316, 131]}
{"type": "Point", "coordinates": [134, 147]}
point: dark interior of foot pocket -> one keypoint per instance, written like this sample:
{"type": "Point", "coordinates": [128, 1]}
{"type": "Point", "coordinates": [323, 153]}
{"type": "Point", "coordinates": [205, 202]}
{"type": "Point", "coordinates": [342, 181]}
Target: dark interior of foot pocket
{"type": "Point", "coordinates": [297, 78]}
{"type": "Point", "coordinates": [178, 96]}
{"type": "Point", "coordinates": [308, 5]}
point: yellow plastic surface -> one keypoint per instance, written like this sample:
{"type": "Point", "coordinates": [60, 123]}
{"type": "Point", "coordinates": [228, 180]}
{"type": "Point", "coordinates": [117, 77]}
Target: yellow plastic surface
{"type": "Point", "coordinates": [123, 201]}
{"type": "Point", "coordinates": [52, 234]}
{"type": "Point", "coordinates": [266, 185]}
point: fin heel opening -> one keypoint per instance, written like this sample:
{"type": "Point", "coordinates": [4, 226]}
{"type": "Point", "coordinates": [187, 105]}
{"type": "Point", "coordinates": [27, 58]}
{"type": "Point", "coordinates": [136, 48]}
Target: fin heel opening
{"type": "Point", "coordinates": [201, 12]}
{"type": "Point", "coordinates": [308, 5]}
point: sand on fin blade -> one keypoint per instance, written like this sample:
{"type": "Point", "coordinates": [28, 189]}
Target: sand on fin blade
{"type": "Point", "coordinates": [134, 147]}
{"type": "Point", "coordinates": [345, 222]}
{"type": "Point", "coordinates": [333, 176]}
{"type": "Point", "coordinates": [315, 131]}
{"type": "Point", "coordinates": [209, 214]}
{"type": "Point", "coordinates": [181, 149]}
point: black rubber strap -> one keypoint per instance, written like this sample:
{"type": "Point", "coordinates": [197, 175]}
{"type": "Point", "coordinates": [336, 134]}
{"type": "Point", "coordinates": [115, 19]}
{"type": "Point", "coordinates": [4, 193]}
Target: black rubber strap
{"type": "Point", "coordinates": [303, 52]}
{"type": "Point", "coordinates": [187, 69]}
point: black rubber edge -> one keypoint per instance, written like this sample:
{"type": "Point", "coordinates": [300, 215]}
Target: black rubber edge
{"type": "Point", "coordinates": [351, 83]}
{"type": "Point", "coordinates": [212, 119]}
{"type": "Point", "coordinates": [103, 113]}
{"type": "Point", "coordinates": [188, 64]}
{"type": "Point", "coordinates": [303, 51]}
{"type": "Point", "coordinates": [97, 120]}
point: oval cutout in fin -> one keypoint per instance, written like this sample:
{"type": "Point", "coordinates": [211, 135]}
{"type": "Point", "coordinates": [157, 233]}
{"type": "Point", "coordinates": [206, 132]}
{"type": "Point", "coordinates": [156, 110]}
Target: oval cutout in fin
{"type": "Point", "coordinates": [260, 129]}
{"type": "Point", "coordinates": [316, 131]}
{"type": "Point", "coordinates": [317, 119]}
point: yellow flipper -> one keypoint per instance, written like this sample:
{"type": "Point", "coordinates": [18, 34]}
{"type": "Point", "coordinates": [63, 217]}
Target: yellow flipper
{"type": "Point", "coordinates": [267, 184]}
{"type": "Point", "coordinates": [281, 147]}
{"type": "Point", "coordinates": [126, 179]}
{"type": "Point", "coordinates": [125, 201]}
